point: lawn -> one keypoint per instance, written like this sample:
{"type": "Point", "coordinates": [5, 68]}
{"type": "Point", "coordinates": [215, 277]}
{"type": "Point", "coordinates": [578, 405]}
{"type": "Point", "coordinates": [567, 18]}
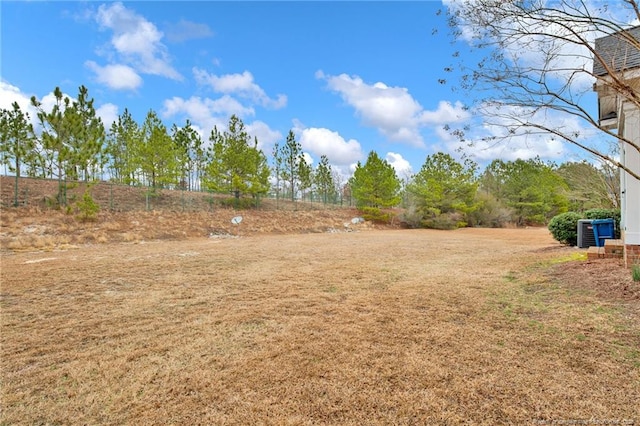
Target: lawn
{"type": "Point", "coordinates": [374, 327]}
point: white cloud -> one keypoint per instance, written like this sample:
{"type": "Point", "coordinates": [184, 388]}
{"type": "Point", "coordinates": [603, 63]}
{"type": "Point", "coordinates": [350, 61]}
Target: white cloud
{"type": "Point", "coordinates": [402, 167]}
{"type": "Point", "coordinates": [321, 141]}
{"type": "Point", "coordinates": [49, 100]}
{"type": "Point", "coordinates": [267, 137]}
{"type": "Point", "coordinates": [308, 159]}
{"type": "Point", "coordinates": [116, 76]}
{"type": "Point", "coordinates": [186, 30]}
{"type": "Point", "coordinates": [205, 114]}
{"type": "Point", "coordinates": [242, 85]}
{"type": "Point", "coordinates": [494, 139]}
{"type": "Point", "coordinates": [446, 113]}
{"type": "Point", "coordinates": [545, 148]}
{"type": "Point", "coordinates": [108, 113]}
{"type": "Point", "coordinates": [203, 110]}
{"type": "Point", "coordinates": [136, 40]}
{"type": "Point", "coordinates": [392, 110]}
{"type": "Point", "coordinates": [10, 94]}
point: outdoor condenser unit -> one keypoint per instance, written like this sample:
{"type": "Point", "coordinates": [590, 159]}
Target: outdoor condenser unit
{"type": "Point", "coordinates": [586, 237]}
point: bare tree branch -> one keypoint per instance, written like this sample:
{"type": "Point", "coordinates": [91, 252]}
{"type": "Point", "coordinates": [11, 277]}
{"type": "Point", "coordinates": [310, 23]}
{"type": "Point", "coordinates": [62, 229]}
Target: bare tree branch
{"type": "Point", "coordinates": [538, 57]}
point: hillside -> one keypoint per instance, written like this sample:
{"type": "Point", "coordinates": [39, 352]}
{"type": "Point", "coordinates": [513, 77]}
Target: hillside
{"type": "Point", "coordinates": [173, 215]}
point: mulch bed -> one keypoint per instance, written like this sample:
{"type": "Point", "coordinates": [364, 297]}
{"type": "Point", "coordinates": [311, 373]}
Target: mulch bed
{"type": "Point", "coordinates": [607, 278]}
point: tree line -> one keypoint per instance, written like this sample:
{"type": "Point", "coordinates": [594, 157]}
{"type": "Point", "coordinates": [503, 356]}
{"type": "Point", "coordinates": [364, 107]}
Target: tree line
{"type": "Point", "coordinates": [72, 144]}
{"type": "Point", "coordinates": [447, 193]}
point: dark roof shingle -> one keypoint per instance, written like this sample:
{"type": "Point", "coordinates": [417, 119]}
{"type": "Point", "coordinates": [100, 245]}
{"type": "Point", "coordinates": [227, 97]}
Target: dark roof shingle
{"type": "Point", "coordinates": [617, 52]}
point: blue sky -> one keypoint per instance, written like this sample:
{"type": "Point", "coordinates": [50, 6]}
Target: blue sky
{"type": "Point", "coordinates": [347, 77]}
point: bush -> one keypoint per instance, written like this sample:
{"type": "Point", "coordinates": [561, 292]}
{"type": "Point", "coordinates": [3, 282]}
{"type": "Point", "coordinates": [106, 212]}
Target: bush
{"type": "Point", "coordinates": [490, 212]}
{"type": "Point", "coordinates": [411, 217]}
{"type": "Point", "coordinates": [87, 207]}
{"type": "Point", "coordinates": [605, 214]}
{"type": "Point", "coordinates": [635, 272]}
{"type": "Point", "coordinates": [239, 203]}
{"type": "Point", "coordinates": [445, 221]}
{"type": "Point", "coordinates": [564, 228]}
{"type": "Point", "coordinates": [374, 214]}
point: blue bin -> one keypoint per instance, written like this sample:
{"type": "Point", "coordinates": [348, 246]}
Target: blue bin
{"type": "Point", "coordinates": [603, 229]}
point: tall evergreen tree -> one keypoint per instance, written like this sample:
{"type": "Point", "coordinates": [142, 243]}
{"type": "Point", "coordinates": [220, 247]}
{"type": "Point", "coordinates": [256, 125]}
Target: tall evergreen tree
{"type": "Point", "coordinates": [588, 187]}
{"type": "Point", "coordinates": [375, 184]}
{"type": "Point", "coordinates": [293, 163]}
{"type": "Point", "coordinates": [305, 177]}
{"type": "Point", "coordinates": [17, 142]}
{"type": "Point", "coordinates": [236, 164]}
{"type": "Point", "coordinates": [443, 191]}
{"type": "Point", "coordinates": [124, 139]}
{"type": "Point", "coordinates": [323, 180]}
{"type": "Point", "coordinates": [277, 169]}
{"type": "Point", "coordinates": [532, 188]}
{"type": "Point", "coordinates": [157, 155]}
{"type": "Point", "coordinates": [86, 139]}
{"type": "Point", "coordinates": [259, 176]}
{"type": "Point", "coordinates": [55, 137]}
{"type": "Point", "coordinates": [190, 148]}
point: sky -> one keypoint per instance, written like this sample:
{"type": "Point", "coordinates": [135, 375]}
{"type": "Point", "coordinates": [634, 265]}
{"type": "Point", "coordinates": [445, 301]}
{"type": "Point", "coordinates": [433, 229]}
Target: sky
{"type": "Point", "coordinates": [347, 77]}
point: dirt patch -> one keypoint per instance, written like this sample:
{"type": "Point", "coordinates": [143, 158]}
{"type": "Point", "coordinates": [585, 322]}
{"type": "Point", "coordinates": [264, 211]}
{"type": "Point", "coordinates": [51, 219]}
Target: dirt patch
{"type": "Point", "coordinates": [607, 278]}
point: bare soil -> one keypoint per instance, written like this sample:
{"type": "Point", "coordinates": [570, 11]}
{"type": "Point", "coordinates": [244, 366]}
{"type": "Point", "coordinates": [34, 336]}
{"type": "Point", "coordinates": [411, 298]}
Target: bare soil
{"type": "Point", "coordinates": [302, 319]}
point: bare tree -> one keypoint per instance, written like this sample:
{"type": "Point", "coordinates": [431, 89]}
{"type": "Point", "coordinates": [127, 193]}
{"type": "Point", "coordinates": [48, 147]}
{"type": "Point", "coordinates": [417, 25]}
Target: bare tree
{"type": "Point", "coordinates": [538, 68]}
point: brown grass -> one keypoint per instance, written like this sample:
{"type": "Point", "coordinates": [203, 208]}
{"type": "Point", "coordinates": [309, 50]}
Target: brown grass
{"type": "Point", "coordinates": [33, 228]}
{"type": "Point", "coordinates": [42, 193]}
{"type": "Point", "coordinates": [388, 327]}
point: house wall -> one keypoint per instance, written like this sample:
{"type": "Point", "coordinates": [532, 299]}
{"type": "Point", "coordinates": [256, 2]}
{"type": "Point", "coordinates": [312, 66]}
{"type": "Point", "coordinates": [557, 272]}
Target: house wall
{"type": "Point", "coordinates": [631, 186]}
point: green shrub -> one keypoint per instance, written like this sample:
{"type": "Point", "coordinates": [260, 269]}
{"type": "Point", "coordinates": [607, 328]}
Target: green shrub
{"type": "Point", "coordinates": [87, 207]}
{"type": "Point", "coordinates": [605, 214]}
{"type": "Point", "coordinates": [238, 203]}
{"type": "Point", "coordinates": [374, 214]}
{"type": "Point", "coordinates": [445, 221]}
{"type": "Point", "coordinates": [411, 217]}
{"type": "Point", "coordinates": [564, 228]}
{"type": "Point", "coordinates": [635, 272]}
{"type": "Point", "coordinates": [489, 212]}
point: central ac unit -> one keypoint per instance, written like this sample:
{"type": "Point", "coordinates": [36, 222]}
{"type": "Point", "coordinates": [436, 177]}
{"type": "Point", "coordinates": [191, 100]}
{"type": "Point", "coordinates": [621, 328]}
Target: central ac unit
{"type": "Point", "coordinates": [586, 237]}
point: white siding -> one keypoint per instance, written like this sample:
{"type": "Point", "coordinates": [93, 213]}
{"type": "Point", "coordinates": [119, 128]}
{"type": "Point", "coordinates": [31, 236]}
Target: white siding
{"type": "Point", "coordinates": [631, 185]}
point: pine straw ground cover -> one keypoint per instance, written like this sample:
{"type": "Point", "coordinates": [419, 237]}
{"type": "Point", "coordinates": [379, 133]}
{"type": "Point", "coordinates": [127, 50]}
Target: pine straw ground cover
{"type": "Point", "coordinates": [381, 327]}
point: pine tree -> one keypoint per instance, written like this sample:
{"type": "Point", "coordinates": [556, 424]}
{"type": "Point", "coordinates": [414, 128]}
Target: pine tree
{"type": "Point", "coordinates": [277, 169]}
{"type": "Point", "coordinates": [55, 139]}
{"type": "Point", "coordinates": [190, 147]}
{"type": "Point", "coordinates": [236, 164]}
{"type": "Point", "coordinates": [323, 180]}
{"type": "Point", "coordinates": [374, 186]}
{"type": "Point", "coordinates": [86, 139]}
{"type": "Point", "coordinates": [589, 186]}
{"type": "Point", "coordinates": [17, 142]}
{"type": "Point", "coordinates": [157, 154]}
{"type": "Point", "coordinates": [442, 193]}
{"type": "Point", "coordinates": [532, 188]}
{"type": "Point", "coordinates": [293, 163]}
{"type": "Point", "coordinates": [305, 177]}
{"type": "Point", "coordinates": [124, 139]}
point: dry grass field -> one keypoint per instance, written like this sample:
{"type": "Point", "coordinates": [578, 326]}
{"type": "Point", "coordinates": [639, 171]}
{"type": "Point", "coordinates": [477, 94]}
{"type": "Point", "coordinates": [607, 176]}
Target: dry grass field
{"type": "Point", "coordinates": [382, 326]}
